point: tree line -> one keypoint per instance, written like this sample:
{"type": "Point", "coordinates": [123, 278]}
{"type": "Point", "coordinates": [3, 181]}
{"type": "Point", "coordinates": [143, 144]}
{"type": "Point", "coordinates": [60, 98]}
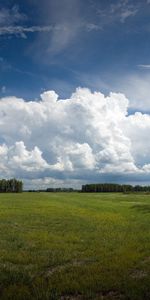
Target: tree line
{"type": "Point", "coordinates": [11, 186]}
{"type": "Point", "coordinates": [60, 190]}
{"type": "Point", "coordinates": [53, 190]}
{"type": "Point", "coordinates": [112, 187]}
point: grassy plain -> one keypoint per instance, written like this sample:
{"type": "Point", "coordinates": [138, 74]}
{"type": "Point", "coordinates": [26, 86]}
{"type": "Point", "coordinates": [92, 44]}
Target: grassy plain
{"type": "Point", "coordinates": [74, 246]}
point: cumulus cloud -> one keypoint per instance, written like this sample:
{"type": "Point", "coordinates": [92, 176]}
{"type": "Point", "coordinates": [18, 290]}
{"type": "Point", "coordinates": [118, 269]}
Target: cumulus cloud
{"type": "Point", "coordinates": [18, 157]}
{"type": "Point", "coordinates": [81, 138]}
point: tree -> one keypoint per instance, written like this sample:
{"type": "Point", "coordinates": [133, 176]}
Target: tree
{"type": "Point", "coordinates": [11, 186]}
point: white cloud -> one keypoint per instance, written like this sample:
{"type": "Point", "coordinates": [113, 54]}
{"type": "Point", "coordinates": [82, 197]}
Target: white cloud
{"type": "Point", "coordinates": [18, 157]}
{"type": "Point", "coordinates": [74, 139]}
{"type": "Point", "coordinates": [137, 128]}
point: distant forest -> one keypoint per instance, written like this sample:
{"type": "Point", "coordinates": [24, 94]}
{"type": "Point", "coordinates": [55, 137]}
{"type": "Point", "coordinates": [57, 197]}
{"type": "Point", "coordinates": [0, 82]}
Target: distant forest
{"type": "Point", "coordinates": [112, 187]}
{"type": "Point", "coordinates": [11, 186]}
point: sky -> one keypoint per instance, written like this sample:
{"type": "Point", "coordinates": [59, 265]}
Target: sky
{"type": "Point", "coordinates": [74, 92]}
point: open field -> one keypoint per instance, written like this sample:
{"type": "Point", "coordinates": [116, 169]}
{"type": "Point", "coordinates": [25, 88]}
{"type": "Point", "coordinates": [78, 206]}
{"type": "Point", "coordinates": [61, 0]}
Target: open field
{"type": "Point", "coordinates": [74, 246]}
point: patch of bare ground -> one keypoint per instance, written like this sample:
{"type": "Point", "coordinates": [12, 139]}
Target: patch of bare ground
{"type": "Point", "coordinates": [138, 274]}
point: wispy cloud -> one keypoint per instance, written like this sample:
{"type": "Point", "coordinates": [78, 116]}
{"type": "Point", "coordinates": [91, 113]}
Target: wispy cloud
{"type": "Point", "coordinates": [3, 89]}
{"type": "Point", "coordinates": [9, 17]}
{"type": "Point", "coordinates": [118, 12]}
{"type": "Point", "coordinates": [64, 26]}
{"type": "Point", "coordinates": [62, 30]}
{"type": "Point", "coordinates": [136, 87]}
{"type": "Point", "coordinates": [22, 31]}
{"type": "Point", "coordinates": [127, 13]}
{"type": "Point", "coordinates": [144, 66]}
{"type": "Point", "coordinates": [92, 26]}
{"type": "Point", "coordinates": [58, 27]}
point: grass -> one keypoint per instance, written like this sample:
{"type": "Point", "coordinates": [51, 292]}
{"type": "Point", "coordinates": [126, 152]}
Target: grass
{"type": "Point", "coordinates": [74, 246]}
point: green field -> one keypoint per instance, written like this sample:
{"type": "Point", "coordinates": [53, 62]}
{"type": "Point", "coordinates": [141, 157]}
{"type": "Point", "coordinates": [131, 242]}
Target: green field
{"type": "Point", "coordinates": [74, 246]}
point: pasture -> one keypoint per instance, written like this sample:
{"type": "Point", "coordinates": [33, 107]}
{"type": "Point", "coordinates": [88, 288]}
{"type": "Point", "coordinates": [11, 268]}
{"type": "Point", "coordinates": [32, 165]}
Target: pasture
{"type": "Point", "coordinates": [74, 246]}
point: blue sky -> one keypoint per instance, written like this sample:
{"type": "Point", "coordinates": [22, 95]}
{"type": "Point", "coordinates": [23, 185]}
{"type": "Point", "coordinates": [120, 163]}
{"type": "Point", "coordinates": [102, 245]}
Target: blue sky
{"type": "Point", "coordinates": [64, 44]}
{"type": "Point", "coordinates": [60, 46]}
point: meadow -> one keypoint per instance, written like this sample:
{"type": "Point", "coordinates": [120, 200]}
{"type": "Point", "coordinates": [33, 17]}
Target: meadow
{"type": "Point", "coordinates": [74, 246]}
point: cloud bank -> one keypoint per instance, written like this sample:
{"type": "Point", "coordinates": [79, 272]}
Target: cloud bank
{"type": "Point", "coordinates": [85, 138]}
